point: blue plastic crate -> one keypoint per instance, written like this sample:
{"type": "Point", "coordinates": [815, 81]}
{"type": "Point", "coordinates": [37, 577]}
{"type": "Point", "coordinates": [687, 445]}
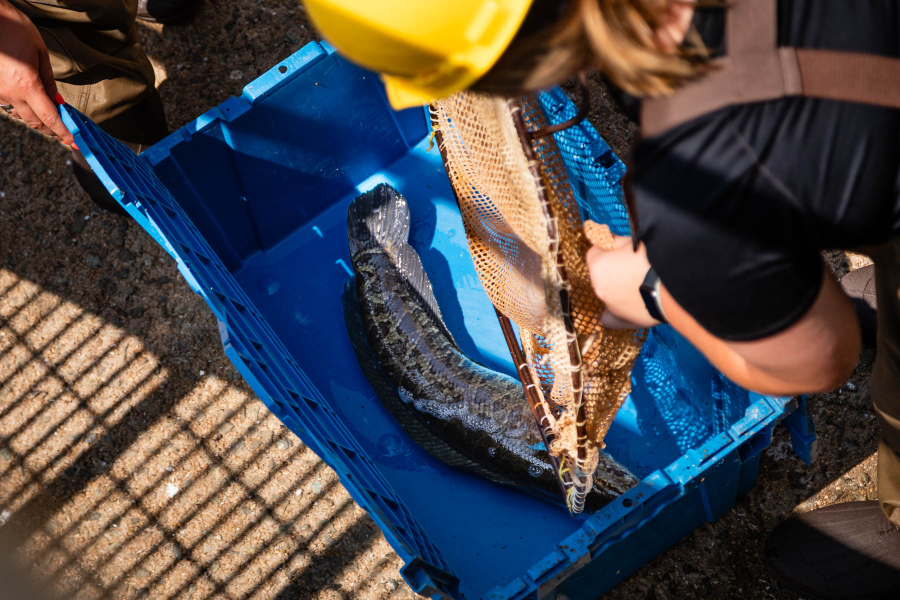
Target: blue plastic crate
{"type": "Point", "coordinates": [250, 199]}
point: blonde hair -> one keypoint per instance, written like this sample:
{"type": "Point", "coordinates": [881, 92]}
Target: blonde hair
{"type": "Point", "coordinates": [616, 37]}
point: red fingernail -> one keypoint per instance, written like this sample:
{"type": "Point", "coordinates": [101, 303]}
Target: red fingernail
{"type": "Point", "coordinates": [76, 147]}
{"type": "Point", "coordinates": [59, 99]}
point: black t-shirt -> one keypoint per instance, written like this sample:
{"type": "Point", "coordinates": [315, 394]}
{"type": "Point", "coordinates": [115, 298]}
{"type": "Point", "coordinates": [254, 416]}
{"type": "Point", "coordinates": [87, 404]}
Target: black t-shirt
{"type": "Point", "coordinates": [735, 206]}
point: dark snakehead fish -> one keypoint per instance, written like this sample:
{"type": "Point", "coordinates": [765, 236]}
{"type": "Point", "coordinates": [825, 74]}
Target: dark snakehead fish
{"type": "Point", "coordinates": [462, 413]}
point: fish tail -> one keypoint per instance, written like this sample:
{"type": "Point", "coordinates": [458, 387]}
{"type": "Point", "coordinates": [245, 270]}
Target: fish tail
{"type": "Point", "coordinates": [378, 219]}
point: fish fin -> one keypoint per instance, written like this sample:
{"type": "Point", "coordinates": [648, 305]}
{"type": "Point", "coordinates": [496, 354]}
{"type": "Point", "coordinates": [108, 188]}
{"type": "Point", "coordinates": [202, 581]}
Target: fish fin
{"type": "Point", "coordinates": [378, 219]}
{"type": "Point", "coordinates": [612, 475]}
{"type": "Point", "coordinates": [416, 279]}
{"type": "Point", "coordinates": [368, 363]}
{"type": "Point", "coordinates": [387, 394]}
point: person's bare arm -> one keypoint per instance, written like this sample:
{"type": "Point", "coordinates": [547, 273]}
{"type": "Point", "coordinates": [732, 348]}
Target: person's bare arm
{"type": "Point", "coordinates": [26, 79]}
{"type": "Point", "coordinates": [817, 353]}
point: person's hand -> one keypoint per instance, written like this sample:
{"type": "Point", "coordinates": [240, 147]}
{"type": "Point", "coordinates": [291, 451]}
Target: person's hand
{"type": "Point", "coordinates": [26, 79]}
{"type": "Point", "coordinates": [616, 276]}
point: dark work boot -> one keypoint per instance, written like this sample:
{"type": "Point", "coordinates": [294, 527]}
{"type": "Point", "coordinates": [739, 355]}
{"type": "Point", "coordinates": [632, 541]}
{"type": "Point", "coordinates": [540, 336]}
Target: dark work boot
{"type": "Point", "coordinates": [165, 11]}
{"type": "Point", "coordinates": [91, 184]}
{"type": "Point", "coordinates": [860, 286]}
{"type": "Point", "coordinates": [138, 128]}
{"type": "Point", "coordinates": [847, 551]}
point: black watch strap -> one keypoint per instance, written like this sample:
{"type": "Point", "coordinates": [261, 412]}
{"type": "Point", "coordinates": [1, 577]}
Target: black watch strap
{"type": "Point", "coordinates": [650, 294]}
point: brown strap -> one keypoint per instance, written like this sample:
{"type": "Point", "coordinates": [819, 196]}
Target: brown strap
{"type": "Point", "coordinates": [756, 70]}
{"type": "Point", "coordinates": [850, 76]}
{"type": "Point", "coordinates": [751, 26]}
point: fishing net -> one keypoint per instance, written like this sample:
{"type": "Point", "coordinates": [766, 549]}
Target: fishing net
{"type": "Point", "coordinates": [528, 242]}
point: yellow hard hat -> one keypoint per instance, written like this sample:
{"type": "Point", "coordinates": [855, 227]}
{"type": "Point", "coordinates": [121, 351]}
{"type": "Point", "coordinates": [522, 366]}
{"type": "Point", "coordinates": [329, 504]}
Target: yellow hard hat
{"type": "Point", "coordinates": [424, 49]}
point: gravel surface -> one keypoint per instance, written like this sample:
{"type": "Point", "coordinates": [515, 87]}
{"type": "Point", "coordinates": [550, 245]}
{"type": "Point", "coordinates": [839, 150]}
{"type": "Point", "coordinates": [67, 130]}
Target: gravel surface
{"type": "Point", "coordinates": [136, 463]}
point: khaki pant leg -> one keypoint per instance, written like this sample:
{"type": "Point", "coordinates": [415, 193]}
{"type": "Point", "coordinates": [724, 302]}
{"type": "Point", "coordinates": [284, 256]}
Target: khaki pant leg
{"type": "Point", "coordinates": [884, 385]}
{"type": "Point", "coordinates": [99, 64]}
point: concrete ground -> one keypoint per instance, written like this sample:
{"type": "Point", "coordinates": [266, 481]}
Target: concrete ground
{"type": "Point", "coordinates": [135, 462]}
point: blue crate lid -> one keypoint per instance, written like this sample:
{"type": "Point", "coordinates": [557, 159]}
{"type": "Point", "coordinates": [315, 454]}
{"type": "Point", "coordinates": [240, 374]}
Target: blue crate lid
{"type": "Point", "coordinates": [595, 172]}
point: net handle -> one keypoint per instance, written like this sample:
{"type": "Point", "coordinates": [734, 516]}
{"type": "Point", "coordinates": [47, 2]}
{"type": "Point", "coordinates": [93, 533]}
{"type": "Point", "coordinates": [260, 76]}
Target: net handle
{"type": "Point", "coordinates": [583, 111]}
{"type": "Point", "coordinates": [526, 377]}
{"type": "Point", "coordinates": [534, 166]}
{"type": "Point", "coordinates": [531, 388]}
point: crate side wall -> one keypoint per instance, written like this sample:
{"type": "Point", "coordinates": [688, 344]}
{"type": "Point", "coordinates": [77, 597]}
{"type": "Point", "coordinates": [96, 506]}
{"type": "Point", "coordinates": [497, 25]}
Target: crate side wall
{"type": "Point", "coordinates": [258, 177]}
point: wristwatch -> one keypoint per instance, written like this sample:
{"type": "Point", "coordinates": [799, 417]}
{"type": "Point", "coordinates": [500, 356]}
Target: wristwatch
{"type": "Point", "coordinates": [650, 294]}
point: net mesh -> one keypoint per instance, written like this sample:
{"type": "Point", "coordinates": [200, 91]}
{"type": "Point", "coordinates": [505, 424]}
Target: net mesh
{"type": "Point", "coordinates": [528, 242]}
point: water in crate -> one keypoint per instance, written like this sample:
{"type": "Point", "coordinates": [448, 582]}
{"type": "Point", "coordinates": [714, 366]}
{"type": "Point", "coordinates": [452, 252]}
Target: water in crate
{"type": "Point", "coordinates": [462, 413]}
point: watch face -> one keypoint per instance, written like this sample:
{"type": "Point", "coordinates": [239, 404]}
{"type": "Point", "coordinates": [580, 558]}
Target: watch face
{"type": "Point", "coordinates": [649, 295]}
